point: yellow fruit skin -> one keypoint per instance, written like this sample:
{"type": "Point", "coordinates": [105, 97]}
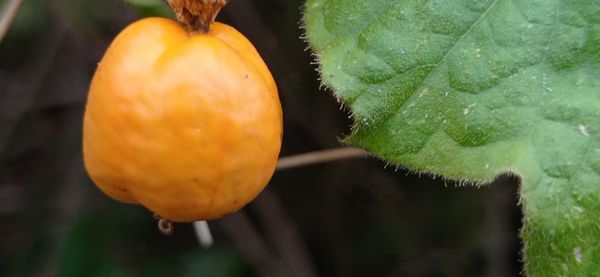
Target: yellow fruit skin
{"type": "Point", "coordinates": [188, 125]}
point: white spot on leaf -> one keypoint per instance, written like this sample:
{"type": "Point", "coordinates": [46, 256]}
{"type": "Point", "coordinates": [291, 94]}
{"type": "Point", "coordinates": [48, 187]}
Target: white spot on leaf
{"type": "Point", "coordinates": [468, 108]}
{"type": "Point", "coordinates": [583, 130]}
{"type": "Point", "coordinates": [577, 254]}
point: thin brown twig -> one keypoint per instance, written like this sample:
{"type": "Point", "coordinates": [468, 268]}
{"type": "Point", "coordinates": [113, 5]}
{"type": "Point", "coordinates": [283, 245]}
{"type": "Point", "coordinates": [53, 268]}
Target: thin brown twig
{"type": "Point", "coordinates": [8, 14]}
{"type": "Point", "coordinates": [321, 156]}
{"type": "Point", "coordinates": [18, 96]}
{"type": "Point", "coordinates": [251, 245]}
{"type": "Point", "coordinates": [310, 158]}
{"type": "Point", "coordinates": [280, 230]}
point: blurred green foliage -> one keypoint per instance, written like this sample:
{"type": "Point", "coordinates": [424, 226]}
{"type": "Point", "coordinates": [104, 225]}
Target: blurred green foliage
{"type": "Point", "coordinates": [87, 253]}
{"type": "Point", "coordinates": [151, 7]}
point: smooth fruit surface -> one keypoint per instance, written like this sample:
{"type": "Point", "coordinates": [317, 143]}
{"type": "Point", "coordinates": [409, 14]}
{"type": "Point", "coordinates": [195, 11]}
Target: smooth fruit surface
{"type": "Point", "coordinates": [188, 125]}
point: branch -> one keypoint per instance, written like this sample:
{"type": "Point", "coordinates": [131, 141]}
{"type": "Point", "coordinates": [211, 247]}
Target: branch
{"type": "Point", "coordinates": [323, 156]}
{"type": "Point", "coordinates": [280, 229]}
{"type": "Point", "coordinates": [316, 157]}
{"type": "Point", "coordinates": [7, 15]}
{"type": "Point", "coordinates": [246, 238]}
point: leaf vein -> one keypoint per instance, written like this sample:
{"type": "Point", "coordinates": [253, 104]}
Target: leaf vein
{"type": "Point", "coordinates": [458, 41]}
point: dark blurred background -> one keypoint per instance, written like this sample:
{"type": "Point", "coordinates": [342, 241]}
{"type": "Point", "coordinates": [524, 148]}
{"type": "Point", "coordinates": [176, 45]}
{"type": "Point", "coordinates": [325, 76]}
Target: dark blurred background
{"type": "Point", "coordinates": [348, 218]}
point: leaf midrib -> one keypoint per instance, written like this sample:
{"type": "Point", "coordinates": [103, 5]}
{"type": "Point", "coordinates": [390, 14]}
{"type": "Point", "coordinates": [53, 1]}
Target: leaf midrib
{"type": "Point", "coordinates": [387, 116]}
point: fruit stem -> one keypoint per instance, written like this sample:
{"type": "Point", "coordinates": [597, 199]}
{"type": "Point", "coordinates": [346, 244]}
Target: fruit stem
{"type": "Point", "coordinates": [197, 14]}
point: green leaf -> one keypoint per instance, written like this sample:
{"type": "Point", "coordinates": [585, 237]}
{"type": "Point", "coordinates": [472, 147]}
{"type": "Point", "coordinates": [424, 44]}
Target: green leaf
{"type": "Point", "coordinates": [146, 2]}
{"type": "Point", "coordinates": [474, 89]}
{"type": "Point", "coordinates": [151, 7]}
{"type": "Point", "coordinates": [214, 263]}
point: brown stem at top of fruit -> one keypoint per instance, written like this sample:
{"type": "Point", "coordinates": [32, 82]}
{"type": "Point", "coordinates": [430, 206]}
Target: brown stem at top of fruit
{"type": "Point", "coordinates": [197, 14]}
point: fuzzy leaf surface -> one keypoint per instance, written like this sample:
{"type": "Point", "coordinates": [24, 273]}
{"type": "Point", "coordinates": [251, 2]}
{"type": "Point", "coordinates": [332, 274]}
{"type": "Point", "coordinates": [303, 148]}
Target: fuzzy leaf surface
{"type": "Point", "coordinates": [474, 89]}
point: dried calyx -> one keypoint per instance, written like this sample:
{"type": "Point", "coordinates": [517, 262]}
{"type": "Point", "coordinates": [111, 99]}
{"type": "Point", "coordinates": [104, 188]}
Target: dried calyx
{"type": "Point", "coordinates": [197, 14]}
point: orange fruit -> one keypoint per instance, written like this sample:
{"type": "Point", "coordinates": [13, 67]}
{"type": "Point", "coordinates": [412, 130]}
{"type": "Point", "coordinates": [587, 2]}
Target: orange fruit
{"type": "Point", "coordinates": [187, 124]}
